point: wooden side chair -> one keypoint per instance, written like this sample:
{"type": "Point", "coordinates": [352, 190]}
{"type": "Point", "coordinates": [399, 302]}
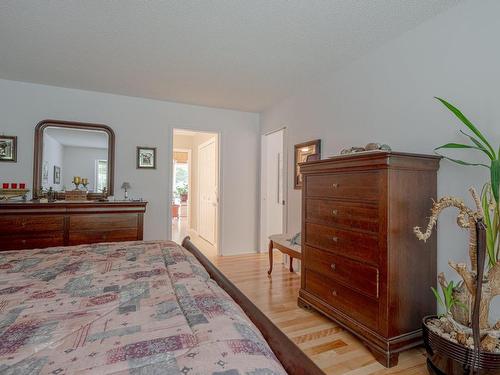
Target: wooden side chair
{"type": "Point", "coordinates": [282, 243]}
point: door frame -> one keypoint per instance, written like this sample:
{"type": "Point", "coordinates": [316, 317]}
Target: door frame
{"type": "Point", "coordinates": [190, 183]}
{"type": "Point", "coordinates": [220, 154]}
{"type": "Point", "coordinates": [263, 240]}
{"type": "Point", "coordinates": [216, 234]}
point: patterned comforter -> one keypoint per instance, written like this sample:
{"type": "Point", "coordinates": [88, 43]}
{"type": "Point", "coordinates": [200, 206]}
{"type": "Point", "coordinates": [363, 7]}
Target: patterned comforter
{"type": "Point", "coordinates": [122, 308]}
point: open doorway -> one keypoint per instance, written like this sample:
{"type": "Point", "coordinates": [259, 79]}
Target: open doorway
{"type": "Point", "coordinates": [195, 189]}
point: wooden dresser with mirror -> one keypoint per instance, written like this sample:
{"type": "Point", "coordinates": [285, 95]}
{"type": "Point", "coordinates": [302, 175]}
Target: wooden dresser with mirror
{"type": "Point", "coordinates": [361, 262]}
{"type": "Point", "coordinates": [63, 150]}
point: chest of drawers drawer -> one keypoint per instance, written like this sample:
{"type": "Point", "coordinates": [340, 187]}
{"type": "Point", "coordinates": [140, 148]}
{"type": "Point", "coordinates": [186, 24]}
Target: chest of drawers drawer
{"type": "Point", "coordinates": [345, 214]}
{"type": "Point", "coordinates": [362, 186]}
{"type": "Point", "coordinates": [359, 276]}
{"type": "Point", "coordinates": [103, 221]}
{"type": "Point", "coordinates": [79, 237]}
{"type": "Point", "coordinates": [10, 225]}
{"type": "Point", "coordinates": [357, 305]}
{"type": "Point", "coordinates": [357, 245]}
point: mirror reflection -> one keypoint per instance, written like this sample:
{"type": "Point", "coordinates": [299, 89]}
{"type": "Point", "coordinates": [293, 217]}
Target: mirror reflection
{"type": "Point", "coordinates": [69, 152]}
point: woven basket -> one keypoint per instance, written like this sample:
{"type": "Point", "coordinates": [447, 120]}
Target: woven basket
{"type": "Point", "coordinates": [446, 357]}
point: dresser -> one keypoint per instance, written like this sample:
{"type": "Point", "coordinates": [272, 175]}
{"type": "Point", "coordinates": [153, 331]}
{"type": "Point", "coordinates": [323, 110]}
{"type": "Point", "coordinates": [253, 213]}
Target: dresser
{"type": "Point", "coordinates": [29, 225]}
{"type": "Point", "coordinates": [362, 266]}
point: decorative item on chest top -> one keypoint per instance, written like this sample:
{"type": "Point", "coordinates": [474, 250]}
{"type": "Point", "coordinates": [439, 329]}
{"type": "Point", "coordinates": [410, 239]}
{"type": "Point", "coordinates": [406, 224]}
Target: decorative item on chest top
{"type": "Point", "coordinates": [369, 147]}
{"type": "Point", "coordinates": [8, 148]}
{"type": "Point", "coordinates": [15, 191]}
{"type": "Point", "coordinates": [76, 194]}
{"type": "Point", "coordinates": [126, 186]}
{"type": "Point", "coordinates": [466, 338]}
{"type": "Point", "coordinates": [302, 152]}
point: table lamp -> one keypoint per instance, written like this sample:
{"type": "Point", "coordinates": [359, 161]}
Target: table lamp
{"type": "Point", "coordinates": [126, 186]}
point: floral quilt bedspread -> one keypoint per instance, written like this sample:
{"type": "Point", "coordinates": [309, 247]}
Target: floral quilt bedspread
{"type": "Point", "coordinates": [122, 308]}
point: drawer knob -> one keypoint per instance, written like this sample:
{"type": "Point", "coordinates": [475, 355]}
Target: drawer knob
{"type": "Point", "coordinates": [335, 186]}
{"type": "Point", "coordinates": [335, 239]}
{"type": "Point", "coordinates": [334, 212]}
{"type": "Point", "coordinates": [334, 293]}
{"type": "Point", "coordinates": [333, 266]}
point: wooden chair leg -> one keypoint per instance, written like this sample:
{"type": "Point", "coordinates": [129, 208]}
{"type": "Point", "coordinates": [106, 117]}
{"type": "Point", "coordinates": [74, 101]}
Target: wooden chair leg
{"type": "Point", "coordinates": [271, 247]}
{"type": "Point", "coordinates": [291, 263]}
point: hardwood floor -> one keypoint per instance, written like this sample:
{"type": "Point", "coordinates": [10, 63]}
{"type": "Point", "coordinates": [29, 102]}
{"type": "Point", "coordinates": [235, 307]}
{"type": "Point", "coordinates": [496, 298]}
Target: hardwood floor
{"type": "Point", "coordinates": [331, 347]}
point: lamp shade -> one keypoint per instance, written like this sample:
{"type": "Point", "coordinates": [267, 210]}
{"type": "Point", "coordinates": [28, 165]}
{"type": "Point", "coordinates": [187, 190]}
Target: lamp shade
{"type": "Point", "coordinates": [126, 185]}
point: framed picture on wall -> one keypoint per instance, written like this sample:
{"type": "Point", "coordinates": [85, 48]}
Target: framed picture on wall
{"type": "Point", "coordinates": [45, 173]}
{"type": "Point", "coordinates": [303, 152]}
{"type": "Point", "coordinates": [8, 148]}
{"type": "Point", "coordinates": [57, 175]}
{"type": "Point", "coordinates": [146, 157]}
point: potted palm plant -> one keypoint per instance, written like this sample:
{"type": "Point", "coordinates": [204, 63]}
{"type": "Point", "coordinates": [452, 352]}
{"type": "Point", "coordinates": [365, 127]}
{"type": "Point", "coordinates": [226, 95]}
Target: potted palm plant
{"type": "Point", "coordinates": [464, 340]}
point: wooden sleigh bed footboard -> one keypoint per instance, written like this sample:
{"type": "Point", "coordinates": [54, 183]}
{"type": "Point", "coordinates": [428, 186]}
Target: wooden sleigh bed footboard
{"type": "Point", "coordinates": [291, 357]}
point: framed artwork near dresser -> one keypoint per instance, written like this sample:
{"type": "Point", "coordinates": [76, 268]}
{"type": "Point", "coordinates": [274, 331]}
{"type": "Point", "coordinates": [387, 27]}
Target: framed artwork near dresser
{"type": "Point", "coordinates": [362, 266]}
{"type": "Point", "coordinates": [302, 152]}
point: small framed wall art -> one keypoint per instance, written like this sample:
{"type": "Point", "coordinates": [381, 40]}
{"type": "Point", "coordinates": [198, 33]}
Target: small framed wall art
{"type": "Point", "coordinates": [57, 175]}
{"type": "Point", "coordinates": [8, 148]}
{"type": "Point", "coordinates": [303, 152]}
{"type": "Point", "coordinates": [146, 157]}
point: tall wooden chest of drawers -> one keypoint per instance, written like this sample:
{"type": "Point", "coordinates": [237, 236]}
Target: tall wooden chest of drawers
{"type": "Point", "coordinates": [362, 265]}
{"type": "Point", "coordinates": [30, 225]}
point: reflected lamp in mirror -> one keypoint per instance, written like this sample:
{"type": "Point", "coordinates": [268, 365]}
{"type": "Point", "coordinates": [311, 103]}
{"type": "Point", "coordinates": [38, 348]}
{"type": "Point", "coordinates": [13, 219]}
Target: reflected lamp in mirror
{"type": "Point", "coordinates": [73, 149]}
{"type": "Point", "coordinates": [126, 186]}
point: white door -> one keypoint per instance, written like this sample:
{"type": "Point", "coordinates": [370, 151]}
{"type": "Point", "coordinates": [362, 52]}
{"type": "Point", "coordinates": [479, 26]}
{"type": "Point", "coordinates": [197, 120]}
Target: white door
{"type": "Point", "coordinates": [207, 191]}
{"type": "Point", "coordinates": [273, 187]}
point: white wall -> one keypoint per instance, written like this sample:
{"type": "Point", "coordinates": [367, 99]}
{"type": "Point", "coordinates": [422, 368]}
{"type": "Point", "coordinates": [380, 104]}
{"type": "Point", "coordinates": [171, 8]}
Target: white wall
{"type": "Point", "coordinates": [387, 97]}
{"type": "Point", "coordinates": [53, 156]}
{"type": "Point", "coordinates": [80, 161]}
{"type": "Point", "coordinates": [144, 122]}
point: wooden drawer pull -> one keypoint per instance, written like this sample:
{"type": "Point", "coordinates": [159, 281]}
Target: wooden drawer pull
{"type": "Point", "coordinates": [334, 212]}
{"type": "Point", "coordinates": [333, 266]}
{"type": "Point", "coordinates": [334, 293]}
{"type": "Point", "coordinates": [335, 239]}
{"type": "Point", "coordinates": [335, 186]}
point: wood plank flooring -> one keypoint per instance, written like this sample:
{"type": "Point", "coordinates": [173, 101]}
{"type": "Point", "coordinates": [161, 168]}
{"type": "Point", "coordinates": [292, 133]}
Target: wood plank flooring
{"type": "Point", "coordinates": [331, 347]}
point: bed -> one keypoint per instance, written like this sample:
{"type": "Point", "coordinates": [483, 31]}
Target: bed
{"type": "Point", "coordinates": [133, 308]}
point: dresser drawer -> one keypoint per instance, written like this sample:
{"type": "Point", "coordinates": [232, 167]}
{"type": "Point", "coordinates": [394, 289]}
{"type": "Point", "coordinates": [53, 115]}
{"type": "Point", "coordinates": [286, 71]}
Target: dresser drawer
{"type": "Point", "coordinates": [356, 275]}
{"type": "Point", "coordinates": [362, 186]}
{"type": "Point", "coordinates": [350, 302]}
{"type": "Point", "coordinates": [12, 224]}
{"type": "Point", "coordinates": [102, 221]}
{"type": "Point", "coordinates": [337, 213]}
{"type": "Point", "coordinates": [94, 236]}
{"type": "Point", "coordinates": [25, 241]}
{"type": "Point", "coordinates": [358, 245]}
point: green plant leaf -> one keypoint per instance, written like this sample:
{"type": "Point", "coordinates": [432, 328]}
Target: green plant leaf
{"type": "Point", "coordinates": [438, 297]}
{"type": "Point", "coordinates": [495, 179]}
{"type": "Point", "coordinates": [461, 162]}
{"type": "Point", "coordinates": [490, 230]}
{"type": "Point", "coordinates": [467, 123]}
{"type": "Point", "coordinates": [457, 145]}
{"type": "Point", "coordinates": [479, 145]}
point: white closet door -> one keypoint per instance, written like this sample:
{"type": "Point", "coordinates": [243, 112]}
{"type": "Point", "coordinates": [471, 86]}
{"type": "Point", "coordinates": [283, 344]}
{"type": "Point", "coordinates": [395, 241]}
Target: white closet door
{"type": "Point", "coordinates": [207, 217]}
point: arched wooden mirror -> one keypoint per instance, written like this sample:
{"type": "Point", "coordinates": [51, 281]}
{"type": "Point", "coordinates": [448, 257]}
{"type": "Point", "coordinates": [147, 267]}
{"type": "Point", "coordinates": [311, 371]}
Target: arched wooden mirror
{"type": "Point", "coordinates": [65, 149]}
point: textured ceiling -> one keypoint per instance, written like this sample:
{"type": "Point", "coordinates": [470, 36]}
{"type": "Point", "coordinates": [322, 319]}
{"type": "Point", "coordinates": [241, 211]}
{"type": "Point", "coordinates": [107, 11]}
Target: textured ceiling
{"type": "Point", "coordinates": [239, 54]}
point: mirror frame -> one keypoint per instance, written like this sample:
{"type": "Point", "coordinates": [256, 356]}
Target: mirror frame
{"type": "Point", "coordinates": [38, 153]}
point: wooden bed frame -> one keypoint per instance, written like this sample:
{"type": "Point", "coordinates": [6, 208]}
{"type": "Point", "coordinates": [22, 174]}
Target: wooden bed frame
{"type": "Point", "coordinates": [291, 357]}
